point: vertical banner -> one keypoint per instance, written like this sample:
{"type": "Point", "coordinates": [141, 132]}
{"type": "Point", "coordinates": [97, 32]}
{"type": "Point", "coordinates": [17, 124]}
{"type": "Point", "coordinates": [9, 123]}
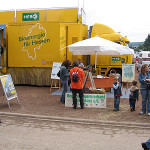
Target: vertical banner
{"type": "Point", "coordinates": [8, 87]}
{"type": "Point", "coordinates": [128, 72]}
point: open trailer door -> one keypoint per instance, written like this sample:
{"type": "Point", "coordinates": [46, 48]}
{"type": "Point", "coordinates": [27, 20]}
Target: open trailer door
{"type": "Point", "coordinates": [1, 47]}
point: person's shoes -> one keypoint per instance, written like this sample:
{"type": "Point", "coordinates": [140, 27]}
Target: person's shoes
{"type": "Point", "coordinates": [144, 146]}
{"type": "Point", "coordinates": [115, 109]}
{"type": "Point", "coordinates": [131, 109]}
{"type": "Point", "coordinates": [148, 114]}
{"type": "Point", "coordinates": [82, 107]}
{"type": "Point", "coordinates": [141, 113]}
{"type": "Point", "coordinates": [0, 121]}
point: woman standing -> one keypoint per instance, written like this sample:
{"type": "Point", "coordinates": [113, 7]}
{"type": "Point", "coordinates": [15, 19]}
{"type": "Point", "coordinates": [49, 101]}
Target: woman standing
{"type": "Point", "coordinates": [144, 78]}
{"type": "Point", "coordinates": [64, 76]}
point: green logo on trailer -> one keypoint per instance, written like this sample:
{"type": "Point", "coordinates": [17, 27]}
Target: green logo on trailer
{"type": "Point", "coordinates": [116, 58]}
{"type": "Point", "coordinates": [30, 16]}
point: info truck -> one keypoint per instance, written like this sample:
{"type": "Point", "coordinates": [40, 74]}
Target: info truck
{"type": "Point", "coordinates": [31, 40]}
{"type": "Point", "coordinates": [105, 63]}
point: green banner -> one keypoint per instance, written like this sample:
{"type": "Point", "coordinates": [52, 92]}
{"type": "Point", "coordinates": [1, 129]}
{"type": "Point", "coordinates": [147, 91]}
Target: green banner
{"type": "Point", "coordinates": [30, 16]}
{"type": "Point", "coordinates": [116, 58]}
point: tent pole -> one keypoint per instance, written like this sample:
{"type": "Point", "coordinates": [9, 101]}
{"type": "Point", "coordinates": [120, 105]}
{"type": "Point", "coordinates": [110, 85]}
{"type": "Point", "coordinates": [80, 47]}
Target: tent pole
{"type": "Point", "coordinates": [95, 60]}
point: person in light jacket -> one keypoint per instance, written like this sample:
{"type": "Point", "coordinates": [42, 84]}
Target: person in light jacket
{"type": "Point", "coordinates": [144, 78]}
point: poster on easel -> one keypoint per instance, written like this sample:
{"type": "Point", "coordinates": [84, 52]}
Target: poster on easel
{"type": "Point", "coordinates": [8, 87]}
{"type": "Point", "coordinates": [55, 70]}
{"type": "Point", "coordinates": [128, 72]}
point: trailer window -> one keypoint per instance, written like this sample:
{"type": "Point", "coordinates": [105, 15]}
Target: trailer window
{"type": "Point", "coordinates": [148, 55]}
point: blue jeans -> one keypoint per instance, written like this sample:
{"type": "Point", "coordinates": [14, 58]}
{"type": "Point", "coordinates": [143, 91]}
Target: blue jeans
{"type": "Point", "coordinates": [65, 87]}
{"type": "Point", "coordinates": [116, 102]}
{"type": "Point", "coordinates": [145, 96]}
{"type": "Point", "coordinates": [148, 143]}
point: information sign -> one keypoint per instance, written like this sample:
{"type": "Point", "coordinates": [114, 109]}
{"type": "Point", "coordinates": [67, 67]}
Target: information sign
{"type": "Point", "coordinates": [8, 87]}
{"type": "Point", "coordinates": [128, 72]}
{"type": "Point", "coordinates": [55, 70]}
{"type": "Point", "coordinates": [90, 100]}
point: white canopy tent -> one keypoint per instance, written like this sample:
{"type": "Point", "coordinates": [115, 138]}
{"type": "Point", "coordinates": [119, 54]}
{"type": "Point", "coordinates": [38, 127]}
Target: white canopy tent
{"type": "Point", "coordinates": [98, 46]}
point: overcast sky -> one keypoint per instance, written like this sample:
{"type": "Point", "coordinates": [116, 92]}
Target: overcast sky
{"type": "Point", "coordinates": [130, 17]}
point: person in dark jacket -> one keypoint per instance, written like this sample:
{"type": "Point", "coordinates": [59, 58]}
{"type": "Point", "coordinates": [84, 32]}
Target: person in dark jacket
{"type": "Point", "coordinates": [144, 79]}
{"type": "Point", "coordinates": [117, 93]}
{"type": "Point", "coordinates": [133, 96]}
{"type": "Point", "coordinates": [64, 76]}
{"type": "Point", "coordinates": [146, 145]}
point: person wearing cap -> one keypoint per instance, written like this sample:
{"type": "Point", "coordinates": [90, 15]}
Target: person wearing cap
{"type": "Point", "coordinates": [117, 93]}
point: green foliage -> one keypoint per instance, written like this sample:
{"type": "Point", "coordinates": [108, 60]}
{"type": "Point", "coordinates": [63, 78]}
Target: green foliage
{"type": "Point", "coordinates": [147, 44]}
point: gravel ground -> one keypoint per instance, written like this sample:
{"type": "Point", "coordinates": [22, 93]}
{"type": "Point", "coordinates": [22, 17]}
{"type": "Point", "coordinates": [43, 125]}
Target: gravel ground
{"type": "Point", "coordinates": [38, 101]}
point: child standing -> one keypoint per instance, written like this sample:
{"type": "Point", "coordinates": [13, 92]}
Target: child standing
{"type": "Point", "coordinates": [117, 94]}
{"type": "Point", "coordinates": [133, 96]}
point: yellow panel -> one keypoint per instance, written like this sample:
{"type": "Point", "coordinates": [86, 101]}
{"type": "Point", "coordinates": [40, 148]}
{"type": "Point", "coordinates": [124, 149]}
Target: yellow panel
{"type": "Point", "coordinates": [76, 31]}
{"type": "Point", "coordinates": [62, 15]}
{"type": "Point", "coordinates": [99, 29]}
{"type": "Point", "coordinates": [34, 44]}
{"type": "Point", "coordinates": [63, 49]}
{"type": "Point", "coordinates": [7, 17]}
{"type": "Point", "coordinates": [19, 15]}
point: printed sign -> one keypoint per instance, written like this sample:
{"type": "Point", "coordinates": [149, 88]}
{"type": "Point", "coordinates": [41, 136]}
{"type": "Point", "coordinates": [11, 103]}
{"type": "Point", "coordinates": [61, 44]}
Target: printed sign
{"type": "Point", "coordinates": [90, 100]}
{"type": "Point", "coordinates": [55, 70]}
{"type": "Point", "coordinates": [30, 16]}
{"type": "Point", "coordinates": [8, 87]}
{"type": "Point", "coordinates": [128, 72]}
{"type": "Point", "coordinates": [35, 39]}
{"type": "Point", "coordinates": [116, 58]}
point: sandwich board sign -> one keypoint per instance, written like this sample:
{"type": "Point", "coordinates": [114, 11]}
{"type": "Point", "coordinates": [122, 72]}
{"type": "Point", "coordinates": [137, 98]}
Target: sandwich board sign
{"type": "Point", "coordinates": [8, 88]}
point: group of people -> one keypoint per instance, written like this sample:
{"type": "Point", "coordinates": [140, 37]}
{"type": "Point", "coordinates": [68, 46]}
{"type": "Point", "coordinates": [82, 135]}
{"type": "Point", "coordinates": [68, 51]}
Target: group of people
{"type": "Point", "coordinates": [76, 75]}
{"type": "Point", "coordinates": [144, 79]}
{"type": "Point", "coordinates": [77, 86]}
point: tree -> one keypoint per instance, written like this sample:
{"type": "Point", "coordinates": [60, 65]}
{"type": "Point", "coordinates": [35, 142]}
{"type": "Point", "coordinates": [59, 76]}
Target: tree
{"type": "Point", "coordinates": [147, 44]}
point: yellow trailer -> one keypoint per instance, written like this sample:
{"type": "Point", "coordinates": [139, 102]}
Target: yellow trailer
{"type": "Point", "coordinates": [36, 39]}
{"type": "Point", "coordinates": [105, 63]}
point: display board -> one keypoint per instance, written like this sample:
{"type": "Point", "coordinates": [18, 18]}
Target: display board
{"type": "Point", "coordinates": [55, 70]}
{"type": "Point", "coordinates": [8, 87]}
{"type": "Point", "coordinates": [128, 72]}
{"type": "Point", "coordinates": [90, 100]}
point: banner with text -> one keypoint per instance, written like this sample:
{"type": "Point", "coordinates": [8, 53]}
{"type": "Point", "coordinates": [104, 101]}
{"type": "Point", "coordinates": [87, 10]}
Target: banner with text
{"type": "Point", "coordinates": [90, 100]}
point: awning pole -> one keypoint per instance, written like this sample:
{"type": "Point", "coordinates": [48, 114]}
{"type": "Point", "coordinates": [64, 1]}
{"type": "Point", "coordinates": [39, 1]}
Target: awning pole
{"type": "Point", "coordinates": [95, 60]}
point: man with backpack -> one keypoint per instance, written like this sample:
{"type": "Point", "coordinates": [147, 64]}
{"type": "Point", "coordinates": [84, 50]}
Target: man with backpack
{"type": "Point", "coordinates": [76, 75]}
